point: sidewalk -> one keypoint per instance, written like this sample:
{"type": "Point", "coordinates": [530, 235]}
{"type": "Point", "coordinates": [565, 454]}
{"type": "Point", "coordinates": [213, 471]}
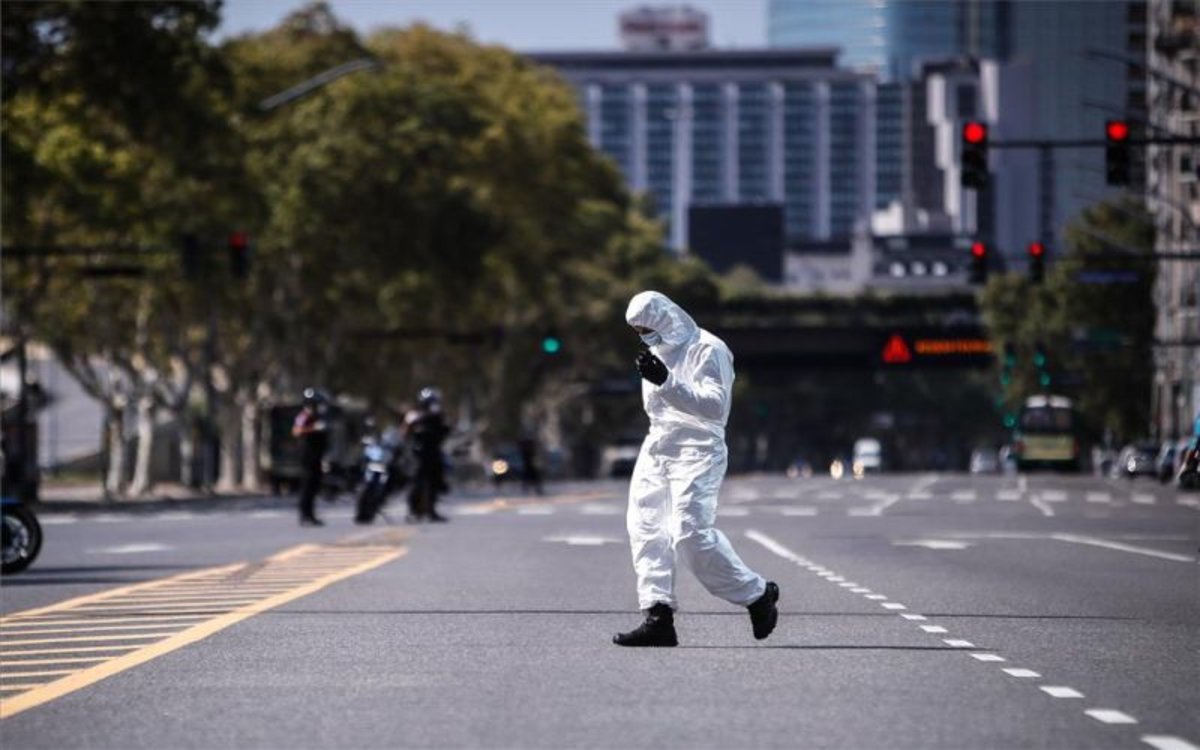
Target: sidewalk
{"type": "Point", "coordinates": [75, 497]}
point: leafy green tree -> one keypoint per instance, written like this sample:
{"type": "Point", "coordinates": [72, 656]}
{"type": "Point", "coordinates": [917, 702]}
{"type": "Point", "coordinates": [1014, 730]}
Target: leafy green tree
{"type": "Point", "coordinates": [1097, 337]}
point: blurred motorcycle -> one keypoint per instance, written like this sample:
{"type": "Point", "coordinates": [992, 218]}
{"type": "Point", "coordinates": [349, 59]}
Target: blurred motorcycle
{"type": "Point", "coordinates": [20, 536]}
{"type": "Point", "coordinates": [383, 474]}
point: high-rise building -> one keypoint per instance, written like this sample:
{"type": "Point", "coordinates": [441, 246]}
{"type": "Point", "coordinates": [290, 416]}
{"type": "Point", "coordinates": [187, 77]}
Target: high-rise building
{"type": "Point", "coordinates": [892, 36]}
{"type": "Point", "coordinates": [856, 27]}
{"type": "Point", "coordinates": [785, 127]}
{"type": "Point", "coordinates": [1173, 195]}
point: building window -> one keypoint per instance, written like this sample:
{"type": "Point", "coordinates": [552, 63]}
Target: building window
{"type": "Point", "coordinates": [752, 142]}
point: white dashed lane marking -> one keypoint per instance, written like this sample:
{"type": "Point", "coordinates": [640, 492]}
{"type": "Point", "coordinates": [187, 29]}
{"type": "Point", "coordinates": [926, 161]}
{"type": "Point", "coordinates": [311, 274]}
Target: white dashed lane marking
{"type": "Point", "coordinates": [1103, 715]}
{"type": "Point", "coordinates": [1008, 495]}
{"type": "Point", "coordinates": [988, 657]}
{"type": "Point", "coordinates": [1037, 502]}
{"type": "Point", "coordinates": [1099, 497]}
{"type": "Point", "coordinates": [1060, 691]}
{"type": "Point", "coordinates": [1110, 716]}
{"type": "Point", "coordinates": [1167, 742]}
{"type": "Point", "coordinates": [1054, 496]}
{"type": "Point", "coordinates": [1141, 498]}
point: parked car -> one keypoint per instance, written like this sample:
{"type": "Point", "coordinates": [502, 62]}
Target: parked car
{"type": "Point", "coordinates": [1137, 460]}
{"type": "Point", "coordinates": [984, 461]}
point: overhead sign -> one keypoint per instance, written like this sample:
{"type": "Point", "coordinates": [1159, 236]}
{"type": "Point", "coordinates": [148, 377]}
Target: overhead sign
{"type": "Point", "coordinates": [910, 348]}
{"type": "Point", "coordinates": [896, 351]}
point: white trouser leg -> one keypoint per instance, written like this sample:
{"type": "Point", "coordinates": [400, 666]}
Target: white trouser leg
{"type": "Point", "coordinates": [648, 523]}
{"type": "Point", "coordinates": [694, 486]}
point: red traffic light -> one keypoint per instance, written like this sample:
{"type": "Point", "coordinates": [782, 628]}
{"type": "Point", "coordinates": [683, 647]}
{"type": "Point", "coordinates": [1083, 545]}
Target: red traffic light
{"type": "Point", "coordinates": [974, 132]}
{"type": "Point", "coordinates": [238, 240]}
{"type": "Point", "coordinates": [1036, 249]}
{"type": "Point", "coordinates": [978, 249]}
{"type": "Point", "coordinates": [1116, 130]}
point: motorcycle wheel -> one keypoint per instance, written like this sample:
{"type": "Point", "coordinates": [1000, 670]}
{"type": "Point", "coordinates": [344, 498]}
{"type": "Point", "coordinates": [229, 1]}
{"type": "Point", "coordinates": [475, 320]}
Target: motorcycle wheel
{"type": "Point", "coordinates": [22, 540]}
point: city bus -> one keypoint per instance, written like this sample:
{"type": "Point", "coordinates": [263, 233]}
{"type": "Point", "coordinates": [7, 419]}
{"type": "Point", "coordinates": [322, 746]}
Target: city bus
{"type": "Point", "coordinates": [1046, 436]}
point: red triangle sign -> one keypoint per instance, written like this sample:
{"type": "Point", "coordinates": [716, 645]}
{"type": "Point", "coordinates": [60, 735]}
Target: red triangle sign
{"type": "Point", "coordinates": [895, 351]}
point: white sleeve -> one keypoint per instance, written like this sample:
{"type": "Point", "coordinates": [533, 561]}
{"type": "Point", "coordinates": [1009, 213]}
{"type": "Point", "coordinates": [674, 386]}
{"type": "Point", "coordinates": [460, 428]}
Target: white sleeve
{"type": "Point", "coordinates": [708, 395]}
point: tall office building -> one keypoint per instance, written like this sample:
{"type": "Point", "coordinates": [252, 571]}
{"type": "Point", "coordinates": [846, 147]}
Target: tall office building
{"type": "Point", "coordinates": [784, 127]}
{"type": "Point", "coordinates": [892, 36]}
{"type": "Point", "coordinates": [1173, 195]}
{"type": "Point", "coordinates": [857, 27]}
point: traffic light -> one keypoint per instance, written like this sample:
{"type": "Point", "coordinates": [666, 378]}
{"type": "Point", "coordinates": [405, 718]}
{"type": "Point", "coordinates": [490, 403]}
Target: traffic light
{"type": "Point", "coordinates": [978, 271]}
{"type": "Point", "coordinates": [1010, 364]}
{"type": "Point", "coordinates": [1037, 262]}
{"type": "Point", "coordinates": [974, 173]}
{"type": "Point", "coordinates": [1116, 152]}
{"type": "Point", "coordinates": [1039, 361]}
{"type": "Point", "coordinates": [551, 344]}
{"type": "Point", "coordinates": [239, 255]}
{"type": "Point", "coordinates": [189, 256]}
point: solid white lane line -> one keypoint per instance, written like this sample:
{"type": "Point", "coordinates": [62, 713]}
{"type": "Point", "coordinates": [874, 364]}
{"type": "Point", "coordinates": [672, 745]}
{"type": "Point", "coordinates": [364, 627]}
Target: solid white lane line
{"type": "Point", "coordinates": [1167, 742]}
{"type": "Point", "coordinates": [1099, 497]}
{"type": "Point", "coordinates": [1021, 672]}
{"type": "Point", "coordinates": [893, 605]}
{"type": "Point", "coordinates": [775, 547]}
{"type": "Point", "coordinates": [956, 643]}
{"type": "Point", "coordinates": [934, 629]}
{"type": "Point", "coordinates": [910, 616]}
{"type": "Point", "coordinates": [1095, 542]}
{"type": "Point", "coordinates": [988, 657]}
{"type": "Point", "coordinates": [1060, 691]}
{"type": "Point", "coordinates": [1110, 716]}
{"type": "Point", "coordinates": [129, 549]}
{"type": "Point", "coordinates": [1037, 503]}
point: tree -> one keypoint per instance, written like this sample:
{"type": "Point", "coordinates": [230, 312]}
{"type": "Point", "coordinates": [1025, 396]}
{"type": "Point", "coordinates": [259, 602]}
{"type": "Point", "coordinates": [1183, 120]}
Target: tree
{"type": "Point", "coordinates": [1093, 317]}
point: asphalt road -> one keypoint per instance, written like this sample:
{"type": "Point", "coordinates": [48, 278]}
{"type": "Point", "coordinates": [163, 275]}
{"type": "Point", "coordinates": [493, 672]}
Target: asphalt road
{"type": "Point", "coordinates": [917, 611]}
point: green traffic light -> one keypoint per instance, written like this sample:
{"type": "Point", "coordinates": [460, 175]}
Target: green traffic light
{"type": "Point", "coordinates": [1044, 379]}
{"type": "Point", "coordinates": [551, 345]}
{"type": "Point", "coordinates": [1010, 421]}
{"type": "Point", "coordinates": [1039, 359]}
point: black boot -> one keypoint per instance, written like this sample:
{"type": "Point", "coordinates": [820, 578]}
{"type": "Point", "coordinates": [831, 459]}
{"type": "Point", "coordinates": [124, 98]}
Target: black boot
{"type": "Point", "coordinates": [657, 630]}
{"type": "Point", "coordinates": [763, 613]}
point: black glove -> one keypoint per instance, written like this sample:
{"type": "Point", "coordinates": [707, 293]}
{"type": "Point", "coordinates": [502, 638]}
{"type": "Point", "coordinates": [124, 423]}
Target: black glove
{"type": "Point", "coordinates": [651, 367]}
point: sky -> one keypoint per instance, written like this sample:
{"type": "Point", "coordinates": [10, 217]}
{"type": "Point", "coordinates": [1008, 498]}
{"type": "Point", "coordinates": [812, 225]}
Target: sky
{"type": "Point", "coordinates": [524, 25]}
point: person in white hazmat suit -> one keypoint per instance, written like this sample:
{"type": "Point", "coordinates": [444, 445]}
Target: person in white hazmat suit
{"type": "Point", "coordinates": [687, 390]}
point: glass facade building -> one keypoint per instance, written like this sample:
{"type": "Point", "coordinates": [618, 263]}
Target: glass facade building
{"type": "Point", "coordinates": [782, 127]}
{"type": "Point", "coordinates": [855, 26]}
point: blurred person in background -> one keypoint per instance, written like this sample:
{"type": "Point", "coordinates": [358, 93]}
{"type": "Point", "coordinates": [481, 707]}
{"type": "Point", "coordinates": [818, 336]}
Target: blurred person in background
{"type": "Point", "coordinates": [426, 431]}
{"type": "Point", "coordinates": [312, 429]}
{"type": "Point", "coordinates": [687, 391]}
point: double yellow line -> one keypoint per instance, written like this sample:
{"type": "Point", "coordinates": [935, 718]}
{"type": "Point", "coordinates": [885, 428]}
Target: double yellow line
{"type": "Point", "coordinates": [48, 652]}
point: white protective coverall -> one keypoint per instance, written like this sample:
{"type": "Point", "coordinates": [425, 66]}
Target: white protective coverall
{"type": "Point", "coordinates": [673, 493]}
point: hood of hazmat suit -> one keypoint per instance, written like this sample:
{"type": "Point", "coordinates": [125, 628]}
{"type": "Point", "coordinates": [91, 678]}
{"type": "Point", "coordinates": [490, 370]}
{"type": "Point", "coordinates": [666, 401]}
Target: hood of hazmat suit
{"type": "Point", "coordinates": [691, 408]}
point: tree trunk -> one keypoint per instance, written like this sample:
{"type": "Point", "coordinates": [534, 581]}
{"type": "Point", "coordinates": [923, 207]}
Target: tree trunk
{"type": "Point", "coordinates": [187, 454]}
{"type": "Point", "coordinates": [114, 479]}
{"type": "Point", "coordinates": [227, 479]}
{"type": "Point", "coordinates": [142, 481]}
{"type": "Point", "coordinates": [250, 468]}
